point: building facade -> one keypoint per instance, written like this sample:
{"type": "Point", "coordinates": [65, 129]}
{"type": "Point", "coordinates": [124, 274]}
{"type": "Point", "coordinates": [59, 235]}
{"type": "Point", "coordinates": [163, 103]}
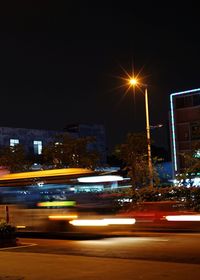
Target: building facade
{"type": "Point", "coordinates": [34, 140]}
{"type": "Point", "coordinates": [95, 130]}
{"type": "Point", "coordinates": [184, 125]}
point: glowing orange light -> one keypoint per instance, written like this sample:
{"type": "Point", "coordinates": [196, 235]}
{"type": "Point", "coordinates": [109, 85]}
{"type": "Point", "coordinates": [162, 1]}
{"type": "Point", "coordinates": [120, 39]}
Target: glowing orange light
{"type": "Point", "coordinates": [133, 81]}
{"type": "Point", "coordinates": [47, 173]}
{"type": "Point", "coordinates": [62, 217]}
{"type": "Point", "coordinates": [20, 226]}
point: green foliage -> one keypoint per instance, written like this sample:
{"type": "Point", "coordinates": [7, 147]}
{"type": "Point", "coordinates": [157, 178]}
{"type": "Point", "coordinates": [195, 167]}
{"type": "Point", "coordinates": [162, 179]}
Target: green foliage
{"type": "Point", "coordinates": [7, 231]}
{"type": "Point", "coordinates": [191, 162]}
{"type": "Point", "coordinates": [66, 151]}
{"type": "Point", "coordinates": [189, 196]}
{"type": "Point", "coordinates": [13, 158]}
{"type": "Point", "coordinates": [195, 198]}
{"type": "Point", "coordinates": [133, 153]}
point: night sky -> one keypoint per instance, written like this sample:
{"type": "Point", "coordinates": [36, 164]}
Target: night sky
{"type": "Point", "coordinates": [60, 62]}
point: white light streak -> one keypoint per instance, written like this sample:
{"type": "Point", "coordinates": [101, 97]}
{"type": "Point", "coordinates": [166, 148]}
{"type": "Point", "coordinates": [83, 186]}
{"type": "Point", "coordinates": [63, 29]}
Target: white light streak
{"type": "Point", "coordinates": [97, 179]}
{"type": "Point", "coordinates": [103, 222]}
{"type": "Point", "coordinates": [183, 218]}
{"type": "Point", "coordinates": [126, 221]}
{"type": "Point", "coordinates": [88, 223]}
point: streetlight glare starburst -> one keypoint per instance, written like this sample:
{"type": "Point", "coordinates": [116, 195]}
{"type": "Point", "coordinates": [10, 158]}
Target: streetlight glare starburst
{"type": "Point", "coordinates": [130, 81]}
{"type": "Point", "coordinates": [133, 81]}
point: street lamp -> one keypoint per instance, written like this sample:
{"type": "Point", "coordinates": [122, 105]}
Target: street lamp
{"type": "Point", "coordinates": [134, 82]}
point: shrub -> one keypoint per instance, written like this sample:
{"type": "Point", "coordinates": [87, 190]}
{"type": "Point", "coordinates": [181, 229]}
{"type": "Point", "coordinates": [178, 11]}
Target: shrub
{"type": "Point", "coordinates": [7, 233]}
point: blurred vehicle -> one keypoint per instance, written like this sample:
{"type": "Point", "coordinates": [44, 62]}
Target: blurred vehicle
{"type": "Point", "coordinates": [40, 200]}
{"type": "Point", "coordinates": [161, 212]}
{"type": "Point", "coordinates": [48, 200]}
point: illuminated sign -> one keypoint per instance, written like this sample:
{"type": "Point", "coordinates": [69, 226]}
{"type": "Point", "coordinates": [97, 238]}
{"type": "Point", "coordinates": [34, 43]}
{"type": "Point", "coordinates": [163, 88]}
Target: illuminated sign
{"type": "Point", "coordinates": [173, 128]}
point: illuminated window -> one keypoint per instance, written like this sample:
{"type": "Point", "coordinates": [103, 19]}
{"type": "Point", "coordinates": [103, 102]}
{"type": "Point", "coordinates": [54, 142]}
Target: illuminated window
{"type": "Point", "coordinates": [14, 142]}
{"type": "Point", "coordinates": [37, 146]}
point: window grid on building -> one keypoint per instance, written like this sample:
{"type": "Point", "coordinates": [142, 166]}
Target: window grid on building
{"type": "Point", "coordinates": [37, 146]}
{"type": "Point", "coordinates": [14, 142]}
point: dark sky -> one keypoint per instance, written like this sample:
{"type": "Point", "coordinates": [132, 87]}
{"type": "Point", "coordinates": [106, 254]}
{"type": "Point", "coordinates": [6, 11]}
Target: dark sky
{"type": "Point", "coordinates": [59, 63]}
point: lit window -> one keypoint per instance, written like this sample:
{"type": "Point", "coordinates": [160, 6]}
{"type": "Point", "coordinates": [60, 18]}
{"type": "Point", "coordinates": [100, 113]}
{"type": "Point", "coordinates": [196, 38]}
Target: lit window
{"type": "Point", "coordinates": [14, 142]}
{"type": "Point", "coordinates": [37, 145]}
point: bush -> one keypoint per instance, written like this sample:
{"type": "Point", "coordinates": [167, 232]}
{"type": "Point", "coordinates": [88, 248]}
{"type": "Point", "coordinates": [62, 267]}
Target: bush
{"type": "Point", "coordinates": [190, 196]}
{"type": "Point", "coordinates": [7, 234]}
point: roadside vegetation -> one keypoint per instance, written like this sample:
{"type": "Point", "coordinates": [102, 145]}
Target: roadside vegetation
{"type": "Point", "coordinates": [133, 154]}
{"type": "Point", "coordinates": [64, 151]}
{"type": "Point", "coordinates": [7, 234]}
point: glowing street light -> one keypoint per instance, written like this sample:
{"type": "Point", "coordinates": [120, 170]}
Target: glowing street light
{"type": "Point", "coordinates": [134, 82]}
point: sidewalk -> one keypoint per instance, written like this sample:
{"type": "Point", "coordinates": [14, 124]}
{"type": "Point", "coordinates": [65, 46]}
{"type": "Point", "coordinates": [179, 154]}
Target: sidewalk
{"type": "Point", "coordinates": [29, 266]}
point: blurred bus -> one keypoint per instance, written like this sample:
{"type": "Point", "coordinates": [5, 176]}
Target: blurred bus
{"type": "Point", "coordinates": [40, 200]}
{"type": "Point", "coordinates": [47, 200]}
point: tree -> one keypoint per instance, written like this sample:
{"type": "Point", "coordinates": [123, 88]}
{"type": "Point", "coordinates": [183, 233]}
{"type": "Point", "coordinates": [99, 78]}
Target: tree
{"type": "Point", "coordinates": [133, 153]}
{"type": "Point", "coordinates": [191, 161]}
{"type": "Point", "coordinates": [13, 158]}
{"type": "Point", "coordinates": [67, 151]}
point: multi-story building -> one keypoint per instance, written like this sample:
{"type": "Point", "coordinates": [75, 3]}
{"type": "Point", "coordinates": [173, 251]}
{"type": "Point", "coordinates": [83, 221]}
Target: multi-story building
{"type": "Point", "coordinates": [34, 140]}
{"type": "Point", "coordinates": [185, 124]}
{"type": "Point", "coordinates": [95, 130]}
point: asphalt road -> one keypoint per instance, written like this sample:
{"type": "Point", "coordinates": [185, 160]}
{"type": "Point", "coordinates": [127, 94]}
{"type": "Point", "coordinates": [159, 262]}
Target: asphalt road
{"type": "Point", "coordinates": [162, 247]}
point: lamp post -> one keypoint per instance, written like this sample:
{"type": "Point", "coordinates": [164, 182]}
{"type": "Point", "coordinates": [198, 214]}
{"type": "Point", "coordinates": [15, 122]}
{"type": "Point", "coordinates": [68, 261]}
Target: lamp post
{"type": "Point", "coordinates": [133, 82]}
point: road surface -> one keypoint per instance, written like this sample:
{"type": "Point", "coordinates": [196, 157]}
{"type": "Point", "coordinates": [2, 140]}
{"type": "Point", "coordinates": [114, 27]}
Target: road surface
{"type": "Point", "coordinates": [147, 256]}
{"type": "Point", "coordinates": [168, 247]}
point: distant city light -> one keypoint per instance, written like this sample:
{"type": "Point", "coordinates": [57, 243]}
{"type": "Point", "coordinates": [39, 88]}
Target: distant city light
{"type": "Point", "coordinates": [195, 181]}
